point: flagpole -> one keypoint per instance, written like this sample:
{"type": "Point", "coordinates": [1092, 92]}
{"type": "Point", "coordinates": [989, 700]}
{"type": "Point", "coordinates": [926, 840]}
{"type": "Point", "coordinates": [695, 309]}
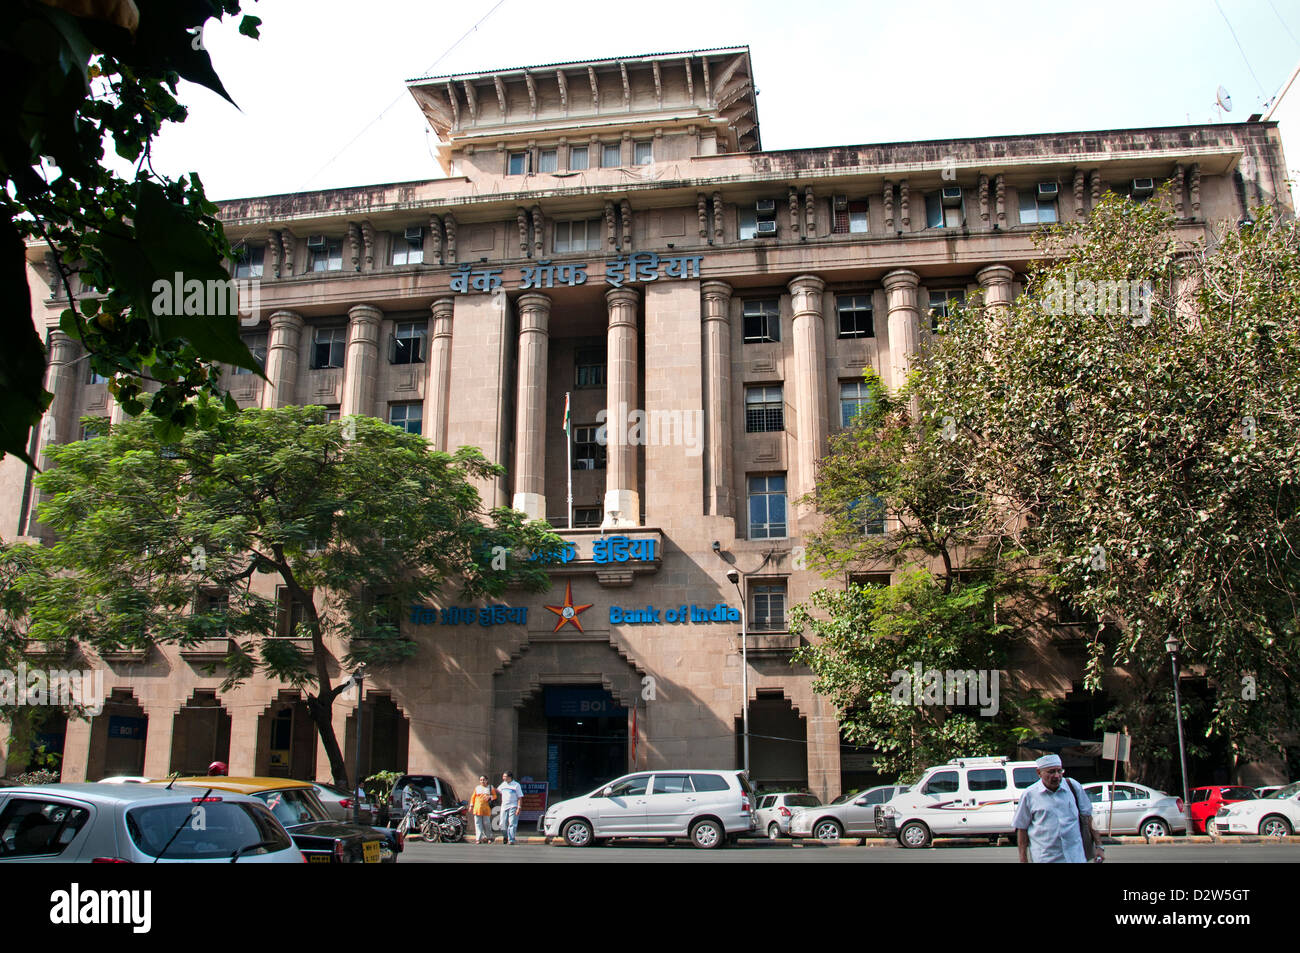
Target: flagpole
{"type": "Point", "coordinates": [568, 439]}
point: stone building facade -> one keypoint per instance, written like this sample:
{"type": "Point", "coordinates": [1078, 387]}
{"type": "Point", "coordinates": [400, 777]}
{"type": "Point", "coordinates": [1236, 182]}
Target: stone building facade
{"type": "Point", "coordinates": [613, 232]}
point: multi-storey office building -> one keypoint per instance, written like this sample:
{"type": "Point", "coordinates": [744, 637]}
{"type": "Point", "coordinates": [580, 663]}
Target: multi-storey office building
{"type": "Point", "coordinates": [613, 231]}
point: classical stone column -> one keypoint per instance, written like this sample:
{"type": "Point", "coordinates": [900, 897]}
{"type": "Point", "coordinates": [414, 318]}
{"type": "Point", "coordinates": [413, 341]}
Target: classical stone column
{"type": "Point", "coordinates": [904, 324]}
{"type": "Point", "coordinates": [808, 388]}
{"type": "Point", "coordinates": [282, 349]}
{"type": "Point", "coordinates": [61, 379]}
{"type": "Point", "coordinates": [717, 395]}
{"type": "Point", "coordinates": [530, 418]}
{"type": "Point", "coordinates": [438, 388]}
{"type": "Point", "coordinates": [622, 496]}
{"type": "Point", "coordinates": [996, 282]}
{"type": "Point", "coordinates": [362, 362]}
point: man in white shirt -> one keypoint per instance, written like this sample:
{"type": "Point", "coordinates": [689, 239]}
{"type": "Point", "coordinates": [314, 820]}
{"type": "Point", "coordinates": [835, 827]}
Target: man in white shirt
{"type": "Point", "coordinates": [1050, 815]}
{"type": "Point", "coordinates": [511, 793]}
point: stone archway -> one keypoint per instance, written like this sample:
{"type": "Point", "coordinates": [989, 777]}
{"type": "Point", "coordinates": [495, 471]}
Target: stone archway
{"type": "Point", "coordinates": [117, 737]}
{"type": "Point", "coordinates": [286, 739]}
{"type": "Point", "coordinates": [385, 734]}
{"type": "Point", "coordinates": [778, 742]}
{"type": "Point", "coordinates": [200, 734]}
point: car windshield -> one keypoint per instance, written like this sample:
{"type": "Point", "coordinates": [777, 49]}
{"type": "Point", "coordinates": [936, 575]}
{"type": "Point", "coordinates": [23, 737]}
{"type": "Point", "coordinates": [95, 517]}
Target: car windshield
{"type": "Point", "coordinates": [294, 806]}
{"type": "Point", "coordinates": [802, 800]}
{"type": "Point", "coordinates": [1291, 790]}
{"type": "Point", "coordinates": [846, 796]}
{"type": "Point", "coordinates": [209, 830]}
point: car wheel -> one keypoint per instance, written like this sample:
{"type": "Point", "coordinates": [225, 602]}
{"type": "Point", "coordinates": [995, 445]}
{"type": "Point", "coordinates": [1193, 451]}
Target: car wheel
{"type": "Point", "coordinates": [707, 834]}
{"type": "Point", "coordinates": [774, 831]}
{"type": "Point", "coordinates": [577, 834]}
{"type": "Point", "coordinates": [1154, 827]}
{"type": "Point", "coordinates": [1211, 827]}
{"type": "Point", "coordinates": [828, 830]}
{"type": "Point", "coordinates": [914, 834]}
{"type": "Point", "coordinates": [1275, 826]}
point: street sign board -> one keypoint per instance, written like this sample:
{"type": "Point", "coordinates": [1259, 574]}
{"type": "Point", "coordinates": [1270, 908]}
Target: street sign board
{"type": "Point", "coordinates": [1115, 747]}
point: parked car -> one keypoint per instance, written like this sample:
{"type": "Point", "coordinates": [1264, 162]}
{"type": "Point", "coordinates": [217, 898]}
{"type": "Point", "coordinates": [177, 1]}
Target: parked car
{"type": "Point", "coordinates": [438, 790]}
{"type": "Point", "coordinates": [774, 811]}
{"type": "Point", "coordinates": [138, 823]}
{"type": "Point", "coordinates": [709, 807]}
{"type": "Point", "coordinates": [1268, 789]}
{"type": "Point", "coordinates": [1206, 802]}
{"type": "Point", "coordinates": [967, 797]}
{"type": "Point", "coordinates": [1135, 809]}
{"type": "Point", "coordinates": [124, 779]}
{"type": "Point", "coordinates": [339, 802]}
{"type": "Point", "coordinates": [321, 838]}
{"type": "Point", "coordinates": [1277, 815]}
{"type": "Point", "coordinates": [854, 816]}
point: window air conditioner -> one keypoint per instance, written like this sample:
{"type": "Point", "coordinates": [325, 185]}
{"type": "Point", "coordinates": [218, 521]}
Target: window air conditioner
{"type": "Point", "coordinates": [841, 203]}
{"type": "Point", "coordinates": [952, 196]}
{"type": "Point", "coordinates": [1047, 191]}
{"type": "Point", "coordinates": [767, 228]}
{"type": "Point", "coordinates": [765, 205]}
{"type": "Point", "coordinates": [415, 235]}
{"type": "Point", "coordinates": [316, 242]}
{"type": "Point", "coordinates": [1143, 187]}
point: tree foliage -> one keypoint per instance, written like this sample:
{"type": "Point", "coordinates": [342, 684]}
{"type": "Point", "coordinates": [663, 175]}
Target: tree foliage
{"type": "Point", "coordinates": [176, 542]}
{"type": "Point", "coordinates": [73, 84]}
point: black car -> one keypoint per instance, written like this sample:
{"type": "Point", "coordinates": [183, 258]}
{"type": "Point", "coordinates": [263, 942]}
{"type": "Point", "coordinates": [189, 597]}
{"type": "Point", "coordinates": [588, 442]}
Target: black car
{"type": "Point", "coordinates": [438, 791]}
{"type": "Point", "coordinates": [323, 839]}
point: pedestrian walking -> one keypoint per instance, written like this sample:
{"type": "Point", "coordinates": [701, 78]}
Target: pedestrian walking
{"type": "Point", "coordinates": [1054, 820]}
{"type": "Point", "coordinates": [480, 805]}
{"type": "Point", "coordinates": [512, 793]}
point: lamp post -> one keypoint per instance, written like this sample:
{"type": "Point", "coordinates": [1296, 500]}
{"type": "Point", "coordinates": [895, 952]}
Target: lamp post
{"type": "Point", "coordinates": [1172, 645]}
{"type": "Point", "coordinates": [358, 679]}
{"type": "Point", "coordinates": [736, 579]}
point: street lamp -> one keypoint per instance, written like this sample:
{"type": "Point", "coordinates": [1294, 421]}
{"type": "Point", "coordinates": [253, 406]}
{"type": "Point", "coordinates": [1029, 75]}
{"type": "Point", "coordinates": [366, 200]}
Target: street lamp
{"type": "Point", "coordinates": [735, 578]}
{"type": "Point", "coordinates": [358, 679]}
{"type": "Point", "coordinates": [1172, 645]}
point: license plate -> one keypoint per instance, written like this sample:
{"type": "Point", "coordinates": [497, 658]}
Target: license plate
{"type": "Point", "coordinates": [371, 849]}
{"type": "Point", "coordinates": [319, 859]}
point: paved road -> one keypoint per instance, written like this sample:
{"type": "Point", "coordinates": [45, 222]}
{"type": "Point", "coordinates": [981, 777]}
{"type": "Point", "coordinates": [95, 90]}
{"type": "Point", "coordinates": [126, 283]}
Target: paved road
{"type": "Point", "coordinates": [650, 852]}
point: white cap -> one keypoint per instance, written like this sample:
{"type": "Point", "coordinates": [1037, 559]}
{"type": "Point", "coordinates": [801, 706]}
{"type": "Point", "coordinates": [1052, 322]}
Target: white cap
{"type": "Point", "coordinates": [1048, 761]}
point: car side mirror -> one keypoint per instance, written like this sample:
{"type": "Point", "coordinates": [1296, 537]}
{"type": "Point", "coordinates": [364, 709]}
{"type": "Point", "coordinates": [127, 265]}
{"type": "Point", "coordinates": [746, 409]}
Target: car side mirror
{"type": "Point", "coordinates": [861, 802]}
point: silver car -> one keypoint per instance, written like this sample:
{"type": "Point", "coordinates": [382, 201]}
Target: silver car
{"type": "Point", "coordinates": [338, 804]}
{"type": "Point", "coordinates": [138, 823]}
{"type": "Point", "coordinates": [775, 810]}
{"type": "Point", "coordinates": [851, 816]}
{"type": "Point", "coordinates": [1129, 808]}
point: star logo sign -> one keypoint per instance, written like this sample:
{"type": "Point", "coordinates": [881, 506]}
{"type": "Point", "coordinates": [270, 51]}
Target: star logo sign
{"type": "Point", "coordinates": [568, 612]}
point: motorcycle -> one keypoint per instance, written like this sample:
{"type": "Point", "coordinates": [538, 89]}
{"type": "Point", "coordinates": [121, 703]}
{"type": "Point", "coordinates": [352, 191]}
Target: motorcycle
{"type": "Point", "coordinates": [446, 825]}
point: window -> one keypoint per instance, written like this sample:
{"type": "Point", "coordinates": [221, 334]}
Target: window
{"type": "Point", "coordinates": [31, 827]}
{"type": "Point", "coordinates": [1023, 777]}
{"type": "Point", "coordinates": [709, 782]}
{"type": "Point", "coordinates": [589, 448]}
{"type": "Point", "coordinates": [855, 398]}
{"type": "Point", "coordinates": [767, 507]}
{"type": "Point", "coordinates": [758, 220]}
{"type": "Point", "coordinates": [643, 153]}
{"type": "Point", "coordinates": [942, 304]}
{"type": "Point", "coordinates": [408, 247]}
{"type": "Point", "coordinates": [1035, 210]}
{"type": "Point", "coordinates": [855, 316]}
{"type": "Point", "coordinates": [673, 784]}
{"type": "Point", "coordinates": [869, 512]}
{"type": "Point", "coordinates": [332, 414]}
{"type": "Point", "coordinates": [880, 580]}
{"type": "Point", "coordinates": [217, 605]}
{"type": "Point", "coordinates": [327, 256]}
{"type": "Point", "coordinates": [93, 429]}
{"type": "Point", "coordinates": [407, 343]}
{"type": "Point", "coordinates": [547, 160]}
{"type": "Point", "coordinates": [762, 321]}
{"type": "Point", "coordinates": [405, 417]}
{"type": "Point", "coordinates": [257, 344]}
{"type": "Point", "coordinates": [290, 615]}
{"type": "Point", "coordinates": [328, 347]}
{"type": "Point", "coordinates": [767, 607]}
{"type": "Point", "coordinates": [590, 366]}
{"type": "Point", "coordinates": [850, 219]}
{"type": "Point", "coordinates": [611, 156]}
{"type": "Point", "coordinates": [632, 787]}
{"type": "Point", "coordinates": [577, 158]}
{"type": "Point", "coordinates": [517, 163]}
{"type": "Point", "coordinates": [986, 779]}
{"type": "Point", "coordinates": [249, 262]}
{"type": "Point", "coordinates": [945, 209]}
{"type": "Point", "coordinates": [580, 235]}
{"type": "Point", "coordinates": [764, 409]}
{"type": "Point", "coordinates": [942, 782]}
{"type": "Point", "coordinates": [586, 517]}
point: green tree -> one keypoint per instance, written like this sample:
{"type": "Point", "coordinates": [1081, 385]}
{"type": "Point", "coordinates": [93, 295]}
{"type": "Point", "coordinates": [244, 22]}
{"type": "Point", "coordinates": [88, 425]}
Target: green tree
{"type": "Point", "coordinates": [74, 83]}
{"type": "Point", "coordinates": [176, 542]}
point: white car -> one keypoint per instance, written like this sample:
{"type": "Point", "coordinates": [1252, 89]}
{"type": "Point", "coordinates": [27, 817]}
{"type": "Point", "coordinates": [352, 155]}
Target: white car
{"type": "Point", "coordinates": [775, 811]}
{"type": "Point", "coordinates": [1128, 808]}
{"type": "Point", "coordinates": [967, 797]}
{"type": "Point", "coordinates": [1277, 815]}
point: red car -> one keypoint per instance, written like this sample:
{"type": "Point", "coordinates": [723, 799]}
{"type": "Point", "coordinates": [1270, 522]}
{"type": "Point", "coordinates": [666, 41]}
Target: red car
{"type": "Point", "coordinates": [1207, 801]}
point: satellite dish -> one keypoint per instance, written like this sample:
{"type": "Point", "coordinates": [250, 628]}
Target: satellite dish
{"type": "Point", "coordinates": [1223, 100]}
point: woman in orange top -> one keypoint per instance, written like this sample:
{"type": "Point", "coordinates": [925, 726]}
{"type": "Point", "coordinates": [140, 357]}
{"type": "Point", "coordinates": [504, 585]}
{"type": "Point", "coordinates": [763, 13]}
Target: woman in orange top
{"type": "Point", "coordinates": [480, 805]}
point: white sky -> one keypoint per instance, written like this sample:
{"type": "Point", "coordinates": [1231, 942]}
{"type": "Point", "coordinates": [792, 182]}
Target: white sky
{"type": "Point", "coordinates": [323, 102]}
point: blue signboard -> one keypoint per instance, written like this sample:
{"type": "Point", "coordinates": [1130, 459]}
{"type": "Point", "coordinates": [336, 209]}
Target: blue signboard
{"type": "Point", "coordinates": [581, 702]}
{"type": "Point", "coordinates": [120, 726]}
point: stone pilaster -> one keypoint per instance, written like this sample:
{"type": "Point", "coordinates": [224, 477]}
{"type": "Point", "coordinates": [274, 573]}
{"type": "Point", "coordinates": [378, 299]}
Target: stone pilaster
{"type": "Point", "coordinates": [362, 369]}
{"type": "Point", "coordinates": [904, 324]}
{"type": "Point", "coordinates": [717, 395]}
{"type": "Point", "coordinates": [530, 419]}
{"type": "Point", "coordinates": [996, 282]}
{"type": "Point", "coordinates": [808, 387]}
{"type": "Point", "coordinates": [622, 494]}
{"type": "Point", "coordinates": [282, 351]}
{"type": "Point", "coordinates": [438, 388]}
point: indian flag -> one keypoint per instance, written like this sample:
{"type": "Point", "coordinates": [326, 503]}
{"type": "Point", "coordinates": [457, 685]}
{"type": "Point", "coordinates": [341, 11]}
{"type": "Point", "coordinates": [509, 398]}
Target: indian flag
{"type": "Point", "coordinates": [568, 420]}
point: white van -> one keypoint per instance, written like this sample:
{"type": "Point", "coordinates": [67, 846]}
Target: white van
{"type": "Point", "coordinates": [967, 797]}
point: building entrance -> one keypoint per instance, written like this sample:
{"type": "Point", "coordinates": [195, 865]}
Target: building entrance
{"type": "Point", "coordinates": [586, 739]}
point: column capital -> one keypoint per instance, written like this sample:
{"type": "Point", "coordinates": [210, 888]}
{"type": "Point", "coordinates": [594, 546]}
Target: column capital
{"type": "Point", "coordinates": [806, 290]}
{"type": "Point", "coordinates": [534, 302]}
{"type": "Point", "coordinates": [286, 319]}
{"type": "Point", "coordinates": [995, 275]}
{"type": "Point", "coordinates": [622, 296]}
{"type": "Point", "coordinates": [901, 278]}
{"type": "Point", "coordinates": [59, 341]}
{"type": "Point", "coordinates": [716, 290]}
{"type": "Point", "coordinates": [443, 308]}
{"type": "Point", "coordinates": [365, 313]}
